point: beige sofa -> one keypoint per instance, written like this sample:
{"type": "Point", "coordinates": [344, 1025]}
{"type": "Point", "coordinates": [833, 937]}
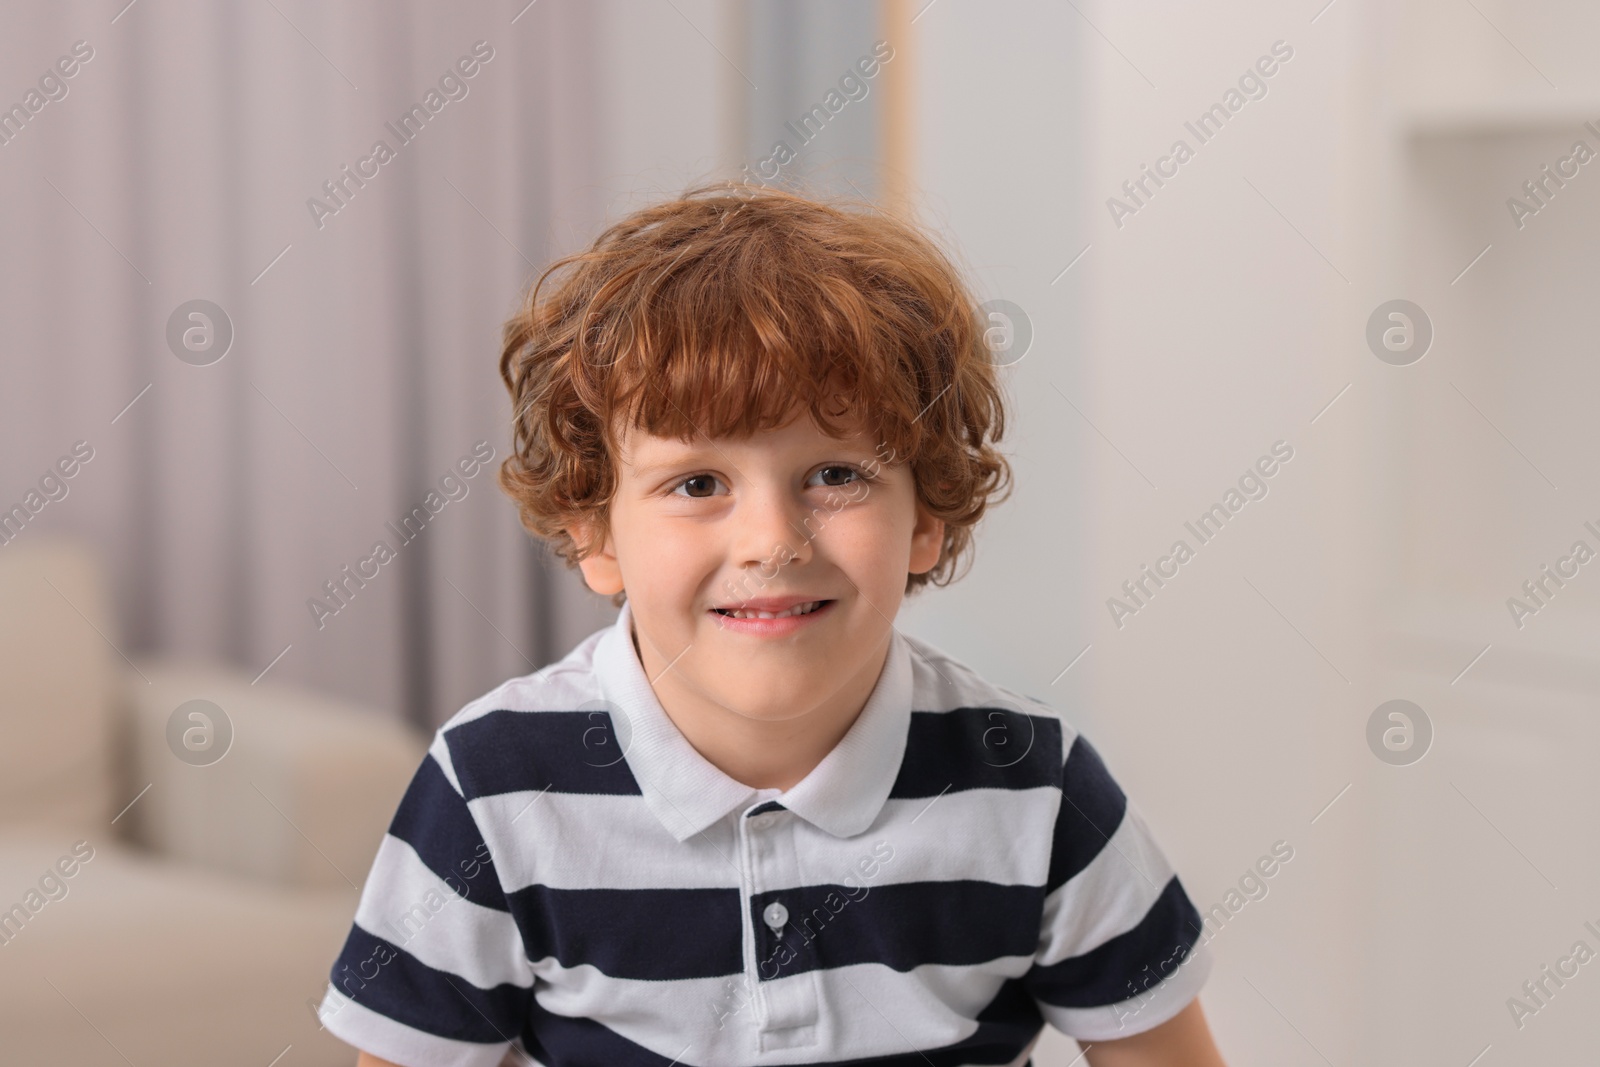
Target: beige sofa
{"type": "Point", "coordinates": [196, 926]}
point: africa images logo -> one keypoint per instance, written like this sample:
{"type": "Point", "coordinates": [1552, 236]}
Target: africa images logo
{"type": "Point", "coordinates": [341, 189]}
{"type": "Point", "coordinates": [1252, 85]}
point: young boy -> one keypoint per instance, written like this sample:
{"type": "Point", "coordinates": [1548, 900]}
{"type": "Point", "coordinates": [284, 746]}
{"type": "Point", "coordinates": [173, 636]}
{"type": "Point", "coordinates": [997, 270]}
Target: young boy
{"type": "Point", "coordinates": [751, 822]}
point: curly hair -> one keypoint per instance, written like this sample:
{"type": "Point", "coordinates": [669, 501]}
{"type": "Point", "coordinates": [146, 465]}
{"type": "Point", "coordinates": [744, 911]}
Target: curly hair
{"type": "Point", "coordinates": [730, 310]}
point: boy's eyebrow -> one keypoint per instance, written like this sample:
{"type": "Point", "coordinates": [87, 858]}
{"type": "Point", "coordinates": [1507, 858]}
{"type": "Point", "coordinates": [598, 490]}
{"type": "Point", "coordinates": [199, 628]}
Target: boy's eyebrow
{"type": "Point", "coordinates": [651, 470]}
{"type": "Point", "coordinates": [683, 456]}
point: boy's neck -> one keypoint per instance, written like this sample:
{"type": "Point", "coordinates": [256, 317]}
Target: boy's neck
{"type": "Point", "coordinates": [759, 753]}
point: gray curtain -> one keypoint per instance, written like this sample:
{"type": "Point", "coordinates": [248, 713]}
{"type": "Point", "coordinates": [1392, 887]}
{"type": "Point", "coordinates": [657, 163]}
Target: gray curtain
{"type": "Point", "coordinates": [184, 159]}
{"type": "Point", "coordinates": [803, 92]}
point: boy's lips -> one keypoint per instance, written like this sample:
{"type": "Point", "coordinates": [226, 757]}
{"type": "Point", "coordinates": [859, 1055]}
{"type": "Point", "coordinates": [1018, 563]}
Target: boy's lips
{"type": "Point", "coordinates": [770, 616]}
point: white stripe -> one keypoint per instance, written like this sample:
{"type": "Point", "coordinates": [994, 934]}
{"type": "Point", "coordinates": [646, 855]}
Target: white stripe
{"type": "Point", "coordinates": [588, 841]}
{"type": "Point", "coordinates": [996, 835]}
{"type": "Point", "coordinates": [439, 751]}
{"type": "Point", "coordinates": [939, 683]}
{"type": "Point", "coordinates": [1108, 897]}
{"type": "Point", "coordinates": [942, 684]}
{"type": "Point", "coordinates": [988, 835]}
{"type": "Point", "coordinates": [383, 1037]}
{"type": "Point", "coordinates": [418, 911]}
{"type": "Point", "coordinates": [933, 1005]}
{"type": "Point", "coordinates": [560, 686]}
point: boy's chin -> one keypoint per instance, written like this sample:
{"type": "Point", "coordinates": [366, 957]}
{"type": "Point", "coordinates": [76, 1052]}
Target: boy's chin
{"type": "Point", "coordinates": [770, 696]}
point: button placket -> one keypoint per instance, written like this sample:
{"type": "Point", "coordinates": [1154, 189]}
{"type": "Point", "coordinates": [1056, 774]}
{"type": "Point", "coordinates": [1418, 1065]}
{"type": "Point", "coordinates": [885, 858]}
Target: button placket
{"type": "Point", "coordinates": [789, 1001]}
{"type": "Point", "coordinates": [744, 845]}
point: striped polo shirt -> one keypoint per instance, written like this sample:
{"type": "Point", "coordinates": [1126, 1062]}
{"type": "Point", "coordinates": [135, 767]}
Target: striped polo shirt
{"type": "Point", "coordinates": [566, 874]}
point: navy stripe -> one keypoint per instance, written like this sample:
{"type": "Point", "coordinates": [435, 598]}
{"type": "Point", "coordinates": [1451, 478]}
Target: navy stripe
{"type": "Point", "coordinates": [1092, 807]}
{"type": "Point", "coordinates": [771, 805]}
{"type": "Point", "coordinates": [900, 926]}
{"type": "Point", "coordinates": [1005, 1026]}
{"type": "Point", "coordinates": [434, 820]}
{"type": "Point", "coordinates": [381, 976]}
{"type": "Point", "coordinates": [1128, 964]}
{"type": "Point", "coordinates": [563, 751]}
{"type": "Point", "coordinates": [648, 934]}
{"type": "Point", "coordinates": [578, 752]}
{"type": "Point", "coordinates": [978, 748]}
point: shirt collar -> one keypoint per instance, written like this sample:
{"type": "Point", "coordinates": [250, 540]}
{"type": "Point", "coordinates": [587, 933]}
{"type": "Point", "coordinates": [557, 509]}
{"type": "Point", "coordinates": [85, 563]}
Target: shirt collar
{"type": "Point", "coordinates": [687, 793]}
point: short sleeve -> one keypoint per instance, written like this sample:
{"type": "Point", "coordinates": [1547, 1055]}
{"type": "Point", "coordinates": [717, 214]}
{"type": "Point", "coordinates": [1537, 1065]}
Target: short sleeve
{"type": "Point", "coordinates": [433, 973]}
{"type": "Point", "coordinates": [1120, 947]}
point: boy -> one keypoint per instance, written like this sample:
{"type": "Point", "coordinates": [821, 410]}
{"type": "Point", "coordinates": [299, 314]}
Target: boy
{"type": "Point", "coordinates": [751, 822]}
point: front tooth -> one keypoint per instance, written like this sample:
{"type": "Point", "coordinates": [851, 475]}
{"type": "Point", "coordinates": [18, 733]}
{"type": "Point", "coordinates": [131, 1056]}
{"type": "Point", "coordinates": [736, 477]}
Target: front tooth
{"type": "Point", "coordinates": [798, 609]}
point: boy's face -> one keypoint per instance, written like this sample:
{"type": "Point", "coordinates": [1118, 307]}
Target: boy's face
{"type": "Point", "coordinates": [706, 533]}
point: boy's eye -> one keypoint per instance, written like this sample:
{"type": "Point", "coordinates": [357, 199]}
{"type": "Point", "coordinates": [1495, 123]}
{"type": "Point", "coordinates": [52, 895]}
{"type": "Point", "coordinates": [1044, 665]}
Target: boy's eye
{"type": "Point", "coordinates": [697, 485]}
{"type": "Point", "coordinates": [835, 475]}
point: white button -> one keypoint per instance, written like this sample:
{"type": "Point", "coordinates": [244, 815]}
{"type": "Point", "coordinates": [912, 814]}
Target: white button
{"type": "Point", "coordinates": [776, 915]}
{"type": "Point", "coordinates": [761, 822]}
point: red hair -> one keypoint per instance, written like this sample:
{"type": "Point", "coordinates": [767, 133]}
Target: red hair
{"type": "Point", "coordinates": [730, 310]}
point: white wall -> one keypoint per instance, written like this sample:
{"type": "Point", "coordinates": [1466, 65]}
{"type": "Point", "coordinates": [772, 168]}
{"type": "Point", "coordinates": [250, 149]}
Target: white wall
{"type": "Point", "coordinates": [1187, 341]}
{"type": "Point", "coordinates": [1224, 315]}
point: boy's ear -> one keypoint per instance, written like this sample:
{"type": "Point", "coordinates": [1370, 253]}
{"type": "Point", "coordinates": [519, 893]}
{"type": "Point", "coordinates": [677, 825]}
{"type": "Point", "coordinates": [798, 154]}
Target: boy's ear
{"type": "Point", "coordinates": [927, 541]}
{"type": "Point", "coordinates": [599, 565]}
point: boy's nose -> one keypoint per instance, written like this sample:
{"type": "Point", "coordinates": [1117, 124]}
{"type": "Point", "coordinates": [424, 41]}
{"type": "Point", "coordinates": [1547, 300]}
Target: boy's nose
{"type": "Point", "coordinates": [770, 533]}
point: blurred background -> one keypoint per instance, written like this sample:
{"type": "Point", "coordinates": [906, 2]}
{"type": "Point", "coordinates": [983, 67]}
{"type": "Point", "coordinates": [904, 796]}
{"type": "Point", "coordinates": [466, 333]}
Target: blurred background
{"type": "Point", "coordinates": [239, 347]}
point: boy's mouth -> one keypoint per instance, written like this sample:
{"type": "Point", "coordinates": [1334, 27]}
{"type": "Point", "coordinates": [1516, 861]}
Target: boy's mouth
{"type": "Point", "coordinates": [771, 617]}
{"type": "Point", "coordinates": [757, 610]}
